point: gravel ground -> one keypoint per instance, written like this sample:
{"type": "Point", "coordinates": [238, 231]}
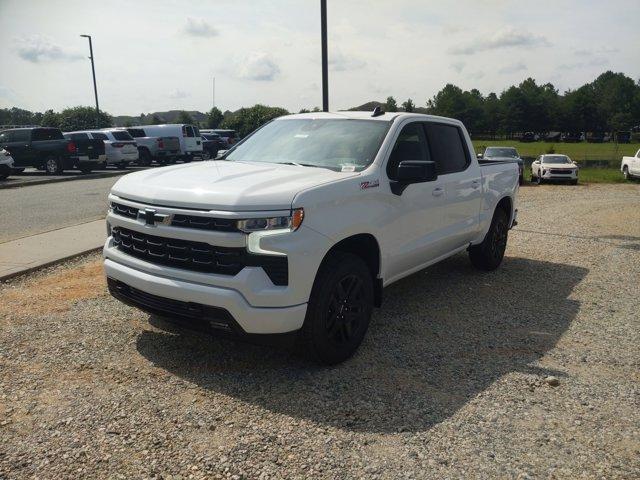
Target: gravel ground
{"type": "Point", "coordinates": [530, 371]}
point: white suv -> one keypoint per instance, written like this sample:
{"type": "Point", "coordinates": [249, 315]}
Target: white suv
{"type": "Point", "coordinates": [120, 147]}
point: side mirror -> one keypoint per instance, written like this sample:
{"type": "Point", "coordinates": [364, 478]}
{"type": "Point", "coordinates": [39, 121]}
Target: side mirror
{"type": "Point", "coordinates": [413, 171]}
{"type": "Point", "coordinates": [479, 155]}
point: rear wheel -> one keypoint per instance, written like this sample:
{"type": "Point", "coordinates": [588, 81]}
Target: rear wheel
{"type": "Point", "coordinates": [488, 255]}
{"type": "Point", "coordinates": [122, 165]}
{"type": "Point", "coordinates": [53, 166]}
{"type": "Point", "coordinates": [339, 309]}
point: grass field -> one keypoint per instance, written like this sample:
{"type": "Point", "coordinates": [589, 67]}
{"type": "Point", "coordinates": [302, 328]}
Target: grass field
{"type": "Point", "coordinates": [591, 175]}
{"type": "Point", "coordinates": [582, 151]}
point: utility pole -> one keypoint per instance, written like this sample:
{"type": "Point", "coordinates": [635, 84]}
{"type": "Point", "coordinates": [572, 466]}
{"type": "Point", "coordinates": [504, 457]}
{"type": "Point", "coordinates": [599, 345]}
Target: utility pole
{"type": "Point", "coordinates": [93, 70]}
{"type": "Point", "coordinates": [214, 92]}
{"type": "Point", "coordinates": [325, 69]}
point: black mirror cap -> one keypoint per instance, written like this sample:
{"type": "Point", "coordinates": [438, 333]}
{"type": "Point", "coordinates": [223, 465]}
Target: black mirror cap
{"type": "Point", "coordinates": [416, 171]}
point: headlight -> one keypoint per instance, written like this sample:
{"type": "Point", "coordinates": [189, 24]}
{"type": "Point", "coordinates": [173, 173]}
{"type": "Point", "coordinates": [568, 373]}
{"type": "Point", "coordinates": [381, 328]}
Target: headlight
{"type": "Point", "coordinates": [291, 222]}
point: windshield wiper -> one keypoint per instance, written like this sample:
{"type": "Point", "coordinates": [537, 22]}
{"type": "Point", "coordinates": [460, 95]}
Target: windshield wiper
{"type": "Point", "coordinates": [302, 164]}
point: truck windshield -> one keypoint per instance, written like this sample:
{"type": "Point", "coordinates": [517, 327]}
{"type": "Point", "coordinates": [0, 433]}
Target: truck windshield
{"type": "Point", "coordinates": [500, 152]}
{"type": "Point", "coordinates": [337, 144]}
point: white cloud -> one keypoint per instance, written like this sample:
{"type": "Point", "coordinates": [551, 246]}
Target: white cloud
{"type": "Point", "coordinates": [594, 62]}
{"type": "Point", "coordinates": [340, 62]}
{"type": "Point", "coordinates": [513, 68]}
{"type": "Point", "coordinates": [178, 94]}
{"type": "Point", "coordinates": [258, 66]}
{"type": "Point", "coordinates": [504, 38]}
{"type": "Point", "coordinates": [37, 48]}
{"type": "Point", "coordinates": [199, 27]}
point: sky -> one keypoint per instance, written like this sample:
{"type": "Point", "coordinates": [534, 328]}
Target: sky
{"type": "Point", "coordinates": [163, 54]}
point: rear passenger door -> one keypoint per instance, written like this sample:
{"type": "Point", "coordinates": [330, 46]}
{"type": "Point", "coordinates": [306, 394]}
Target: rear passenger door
{"type": "Point", "coordinates": [461, 180]}
{"type": "Point", "coordinates": [18, 143]}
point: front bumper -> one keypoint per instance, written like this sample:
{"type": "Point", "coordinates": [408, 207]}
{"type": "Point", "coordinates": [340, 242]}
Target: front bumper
{"type": "Point", "coordinates": [569, 175]}
{"type": "Point", "coordinates": [119, 157]}
{"type": "Point", "coordinates": [251, 320]}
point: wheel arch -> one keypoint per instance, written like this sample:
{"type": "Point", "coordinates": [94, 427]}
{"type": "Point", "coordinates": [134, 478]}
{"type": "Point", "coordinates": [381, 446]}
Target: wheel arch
{"type": "Point", "coordinates": [365, 246]}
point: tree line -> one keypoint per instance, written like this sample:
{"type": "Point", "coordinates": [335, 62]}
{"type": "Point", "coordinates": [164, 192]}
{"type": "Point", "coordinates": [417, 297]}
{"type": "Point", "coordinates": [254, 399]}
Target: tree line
{"type": "Point", "coordinates": [609, 103]}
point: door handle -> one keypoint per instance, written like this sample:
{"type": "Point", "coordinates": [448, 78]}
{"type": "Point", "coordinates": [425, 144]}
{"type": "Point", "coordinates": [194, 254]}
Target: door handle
{"type": "Point", "coordinates": [437, 191]}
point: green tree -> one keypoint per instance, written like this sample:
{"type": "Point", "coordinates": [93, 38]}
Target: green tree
{"type": "Point", "coordinates": [621, 121]}
{"type": "Point", "coordinates": [246, 120]}
{"type": "Point", "coordinates": [408, 106]}
{"type": "Point", "coordinates": [82, 118]}
{"type": "Point", "coordinates": [214, 118]}
{"type": "Point", "coordinates": [50, 119]}
{"type": "Point", "coordinates": [304, 110]}
{"type": "Point", "coordinates": [154, 120]}
{"type": "Point", "coordinates": [391, 105]}
{"type": "Point", "coordinates": [184, 117]}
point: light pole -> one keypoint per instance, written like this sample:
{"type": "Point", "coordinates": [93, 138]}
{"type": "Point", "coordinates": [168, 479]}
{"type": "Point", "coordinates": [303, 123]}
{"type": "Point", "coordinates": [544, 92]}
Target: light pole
{"type": "Point", "coordinates": [93, 70]}
{"type": "Point", "coordinates": [325, 70]}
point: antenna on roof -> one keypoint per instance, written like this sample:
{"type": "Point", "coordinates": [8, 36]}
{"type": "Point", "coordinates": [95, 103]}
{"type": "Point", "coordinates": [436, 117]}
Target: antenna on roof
{"type": "Point", "coordinates": [377, 112]}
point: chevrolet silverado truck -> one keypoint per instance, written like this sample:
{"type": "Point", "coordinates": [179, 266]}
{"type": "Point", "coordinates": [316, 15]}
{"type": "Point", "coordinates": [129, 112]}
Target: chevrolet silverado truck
{"type": "Point", "coordinates": [630, 166]}
{"type": "Point", "coordinates": [47, 149]}
{"type": "Point", "coordinates": [161, 149]}
{"type": "Point", "coordinates": [300, 226]}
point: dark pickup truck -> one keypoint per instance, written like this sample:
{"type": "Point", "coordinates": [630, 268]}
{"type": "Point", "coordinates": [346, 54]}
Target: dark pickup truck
{"type": "Point", "coordinates": [48, 149]}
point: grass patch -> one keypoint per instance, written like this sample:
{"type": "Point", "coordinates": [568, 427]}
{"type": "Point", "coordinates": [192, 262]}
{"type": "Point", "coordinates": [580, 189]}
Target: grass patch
{"type": "Point", "coordinates": [576, 151]}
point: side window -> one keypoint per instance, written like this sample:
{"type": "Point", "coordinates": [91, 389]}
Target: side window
{"type": "Point", "coordinates": [21, 136]}
{"type": "Point", "coordinates": [6, 137]}
{"type": "Point", "coordinates": [448, 148]}
{"type": "Point", "coordinates": [99, 136]}
{"type": "Point", "coordinates": [410, 145]}
{"type": "Point", "coordinates": [190, 131]}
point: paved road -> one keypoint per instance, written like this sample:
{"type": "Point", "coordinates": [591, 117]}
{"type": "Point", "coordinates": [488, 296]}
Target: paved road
{"type": "Point", "coordinates": [41, 208]}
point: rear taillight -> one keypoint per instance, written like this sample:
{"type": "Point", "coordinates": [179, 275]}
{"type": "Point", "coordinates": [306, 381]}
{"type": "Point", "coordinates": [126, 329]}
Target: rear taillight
{"type": "Point", "coordinates": [160, 143]}
{"type": "Point", "coordinates": [117, 145]}
{"type": "Point", "coordinates": [71, 147]}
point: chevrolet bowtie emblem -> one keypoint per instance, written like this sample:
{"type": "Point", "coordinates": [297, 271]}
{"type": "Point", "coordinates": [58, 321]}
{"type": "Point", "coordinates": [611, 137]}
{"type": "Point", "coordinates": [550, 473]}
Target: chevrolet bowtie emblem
{"type": "Point", "coordinates": [152, 217]}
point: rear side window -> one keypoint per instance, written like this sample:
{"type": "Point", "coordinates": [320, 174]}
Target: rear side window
{"type": "Point", "coordinates": [46, 134]}
{"type": "Point", "coordinates": [121, 135]}
{"type": "Point", "coordinates": [99, 136]}
{"type": "Point", "coordinates": [196, 131]}
{"type": "Point", "coordinates": [187, 131]}
{"type": "Point", "coordinates": [448, 148]}
{"type": "Point", "coordinates": [136, 132]}
{"type": "Point", "coordinates": [410, 145]}
{"type": "Point", "coordinates": [6, 137]}
{"type": "Point", "coordinates": [76, 136]}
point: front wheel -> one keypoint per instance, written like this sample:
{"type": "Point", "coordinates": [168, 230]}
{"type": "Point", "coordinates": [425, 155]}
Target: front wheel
{"type": "Point", "coordinates": [625, 172]}
{"type": "Point", "coordinates": [144, 157]}
{"type": "Point", "coordinates": [339, 309]}
{"type": "Point", "coordinates": [488, 255]}
{"type": "Point", "coordinates": [53, 166]}
{"type": "Point", "coordinates": [122, 165]}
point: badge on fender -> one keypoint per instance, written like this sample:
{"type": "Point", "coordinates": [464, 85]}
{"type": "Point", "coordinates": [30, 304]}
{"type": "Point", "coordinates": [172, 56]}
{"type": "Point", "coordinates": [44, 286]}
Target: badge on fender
{"type": "Point", "coordinates": [369, 184]}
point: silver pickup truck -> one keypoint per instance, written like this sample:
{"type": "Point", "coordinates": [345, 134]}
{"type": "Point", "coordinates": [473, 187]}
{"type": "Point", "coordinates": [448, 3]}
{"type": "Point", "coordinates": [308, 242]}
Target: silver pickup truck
{"type": "Point", "coordinates": [161, 149]}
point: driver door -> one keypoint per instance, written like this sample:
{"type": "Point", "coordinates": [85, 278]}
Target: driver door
{"type": "Point", "coordinates": [415, 233]}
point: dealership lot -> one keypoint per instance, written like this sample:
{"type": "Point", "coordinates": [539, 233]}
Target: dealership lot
{"type": "Point", "coordinates": [452, 379]}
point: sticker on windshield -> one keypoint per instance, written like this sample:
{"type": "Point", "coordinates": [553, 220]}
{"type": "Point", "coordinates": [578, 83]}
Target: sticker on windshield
{"type": "Point", "coordinates": [348, 168]}
{"type": "Point", "coordinates": [370, 184]}
{"type": "Point", "coordinates": [301, 135]}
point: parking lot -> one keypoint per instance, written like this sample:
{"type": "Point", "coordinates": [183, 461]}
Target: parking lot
{"type": "Point", "coordinates": [451, 381]}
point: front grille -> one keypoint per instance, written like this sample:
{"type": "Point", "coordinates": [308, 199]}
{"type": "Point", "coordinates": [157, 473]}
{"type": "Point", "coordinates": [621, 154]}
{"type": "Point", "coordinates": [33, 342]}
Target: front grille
{"type": "Point", "coordinates": [184, 221]}
{"type": "Point", "coordinates": [560, 171]}
{"type": "Point", "coordinates": [198, 256]}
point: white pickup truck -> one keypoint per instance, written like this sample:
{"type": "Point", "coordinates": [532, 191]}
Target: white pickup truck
{"type": "Point", "coordinates": [300, 226]}
{"type": "Point", "coordinates": [630, 166]}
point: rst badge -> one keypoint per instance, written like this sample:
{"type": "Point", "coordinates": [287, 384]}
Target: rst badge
{"type": "Point", "coordinates": [369, 184]}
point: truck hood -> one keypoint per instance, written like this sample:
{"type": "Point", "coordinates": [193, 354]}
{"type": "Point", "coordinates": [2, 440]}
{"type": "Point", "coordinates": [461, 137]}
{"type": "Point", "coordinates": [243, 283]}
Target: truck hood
{"type": "Point", "coordinates": [224, 185]}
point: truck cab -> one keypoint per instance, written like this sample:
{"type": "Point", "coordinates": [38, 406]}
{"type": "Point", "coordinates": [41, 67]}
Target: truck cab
{"type": "Point", "coordinates": [300, 226]}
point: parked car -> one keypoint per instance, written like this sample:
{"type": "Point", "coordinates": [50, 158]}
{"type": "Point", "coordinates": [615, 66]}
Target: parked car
{"type": "Point", "coordinates": [571, 137]}
{"type": "Point", "coordinates": [630, 166]}
{"type": "Point", "coordinates": [89, 149]}
{"type": "Point", "coordinates": [6, 163]}
{"type": "Point", "coordinates": [229, 136]}
{"type": "Point", "coordinates": [188, 135]}
{"type": "Point", "coordinates": [504, 154]}
{"type": "Point", "coordinates": [120, 147]}
{"type": "Point", "coordinates": [298, 229]}
{"type": "Point", "coordinates": [554, 167]}
{"type": "Point", "coordinates": [212, 143]}
{"type": "Point", "coordinates": [46, 148]}
{"type": "Point", "coordinates": [161, 149]}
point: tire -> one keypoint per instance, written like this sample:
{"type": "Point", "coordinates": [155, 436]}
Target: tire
{"type": "Point", "coordinates": [122, 165]}
{"type": "Point", "coordinates": [488, 255]}
{"type": "Point", "coordinates": [539, 180]}
{"type": "Point", "coordinates": [86, 170]}
{"type": "Point", "coordinates": [339, 309]}
{"type": "Point", "coordinates": [53, 166]}
{"type": "Point", "coordinates": [521, 179]}
{"type": "Point", "coordinates": [625, 172]}
{"type": "Point", "coordinates": [144, 157]}
{"type": "Point", "coordinates": [574, 182]}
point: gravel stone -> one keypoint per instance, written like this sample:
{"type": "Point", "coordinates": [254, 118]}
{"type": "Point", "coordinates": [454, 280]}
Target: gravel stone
{"type": "Point", "coordinates": [451, 381]}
